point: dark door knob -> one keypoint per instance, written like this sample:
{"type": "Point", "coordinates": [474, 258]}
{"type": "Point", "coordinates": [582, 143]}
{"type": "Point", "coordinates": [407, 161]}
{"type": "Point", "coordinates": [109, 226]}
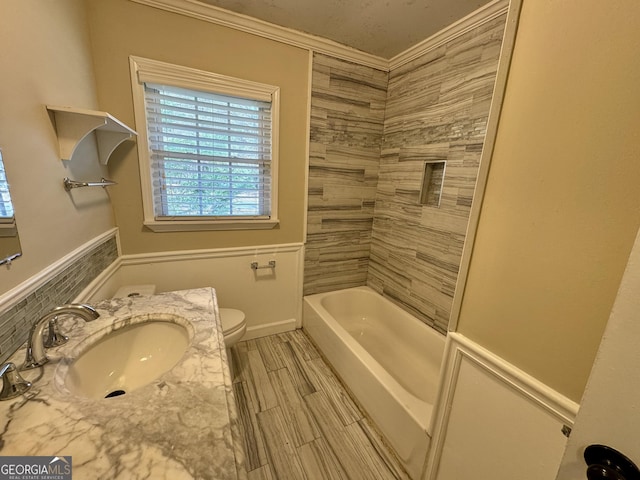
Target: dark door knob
{"type": "Point", "coordinates": [606, 463]}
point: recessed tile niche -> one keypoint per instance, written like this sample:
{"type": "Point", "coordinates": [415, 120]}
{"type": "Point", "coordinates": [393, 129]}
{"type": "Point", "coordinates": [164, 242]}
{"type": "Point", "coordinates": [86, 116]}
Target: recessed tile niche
{"type": "Point", "coordinates": [369, 220]}
{"type": "Point", "coordinates": [432, 179]}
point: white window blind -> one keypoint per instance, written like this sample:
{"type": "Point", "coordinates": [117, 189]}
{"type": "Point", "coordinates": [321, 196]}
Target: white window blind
{"type": "Point", "coordinates": [210, 154]}
{"type": "Point", "coordinates": [6, 207]}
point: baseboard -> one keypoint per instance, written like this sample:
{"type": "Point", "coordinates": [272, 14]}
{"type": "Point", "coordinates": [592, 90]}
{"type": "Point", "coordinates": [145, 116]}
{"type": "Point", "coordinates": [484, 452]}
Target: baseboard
{"type": "Point", "coordinates": [270, 329]}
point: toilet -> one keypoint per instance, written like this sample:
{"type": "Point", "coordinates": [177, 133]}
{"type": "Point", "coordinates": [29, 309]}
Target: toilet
{"type": "Point", "coordinates": [135, 291]}
{"type": "Point", "coordinates": [233, 328]}
{"type": "Point", "coordinates": [233, 321]}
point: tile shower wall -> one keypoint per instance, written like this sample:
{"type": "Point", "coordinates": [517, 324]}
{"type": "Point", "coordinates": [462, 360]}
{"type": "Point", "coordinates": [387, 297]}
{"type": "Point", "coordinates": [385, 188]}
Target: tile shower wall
{"type": "Point", "coordinates": [437, 109]}
{"type": "Point", "coordinates": [16, 322]}
{"type": "Point", "coordinates": [347, 115]}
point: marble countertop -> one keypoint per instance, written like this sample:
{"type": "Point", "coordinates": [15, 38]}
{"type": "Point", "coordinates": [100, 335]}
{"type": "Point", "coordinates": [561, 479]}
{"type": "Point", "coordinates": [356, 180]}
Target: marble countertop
{"type": "Point", "coordinates": [183, 425]}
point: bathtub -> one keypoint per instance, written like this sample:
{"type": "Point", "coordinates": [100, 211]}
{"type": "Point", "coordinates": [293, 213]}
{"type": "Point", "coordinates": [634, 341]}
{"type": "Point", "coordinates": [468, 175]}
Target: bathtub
{"type": "Point", "coordinates": [389, 360]}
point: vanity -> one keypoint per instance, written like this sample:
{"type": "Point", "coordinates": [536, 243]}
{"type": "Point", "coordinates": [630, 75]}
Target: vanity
{"type": "Point", "coordinates": [163, 416]}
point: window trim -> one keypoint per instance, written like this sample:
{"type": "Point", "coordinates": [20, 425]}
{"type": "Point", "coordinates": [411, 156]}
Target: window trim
{"type": "Point", "coordinates": [146, 70]}
{"type": "Point", "coordinates": [7, 224]}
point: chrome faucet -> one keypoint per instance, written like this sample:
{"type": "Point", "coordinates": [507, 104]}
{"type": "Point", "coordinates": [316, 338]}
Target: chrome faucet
{"type": "Point", "coordinates": [36, 355]}
{"type": "Point", "coordinates": [54, 338]}
{"type": "Point", "coordinates": [12, 383]}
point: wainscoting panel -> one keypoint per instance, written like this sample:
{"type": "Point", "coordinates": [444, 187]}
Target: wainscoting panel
{"type": "Point", "coordinates": [271, 298]}
{"type": "Point", "coordinates": [495, 421]}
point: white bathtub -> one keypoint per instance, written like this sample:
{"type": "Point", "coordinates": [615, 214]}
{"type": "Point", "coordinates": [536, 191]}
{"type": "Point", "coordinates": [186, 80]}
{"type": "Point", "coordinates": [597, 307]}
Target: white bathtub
{"type": "Point", "coordinates": [389, 360]}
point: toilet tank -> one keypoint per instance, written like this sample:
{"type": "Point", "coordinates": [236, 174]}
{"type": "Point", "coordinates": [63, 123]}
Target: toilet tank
{"type": "Point", "coordinates": [135, 290]}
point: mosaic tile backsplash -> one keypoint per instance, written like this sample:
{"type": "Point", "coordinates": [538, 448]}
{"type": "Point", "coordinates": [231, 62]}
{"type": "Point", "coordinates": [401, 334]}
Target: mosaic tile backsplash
{"type": "Point", "coordinates": [370, 138]}
{"type": "Point", "coordinates": [64, 287]}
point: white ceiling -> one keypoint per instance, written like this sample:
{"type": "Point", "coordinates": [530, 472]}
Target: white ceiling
{"type": "Point", "coordinates": [380, 27]}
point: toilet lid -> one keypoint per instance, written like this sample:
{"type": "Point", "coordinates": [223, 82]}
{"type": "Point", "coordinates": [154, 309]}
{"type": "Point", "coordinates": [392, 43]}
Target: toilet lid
{"type": "Point", "coordinates": [232, 320]}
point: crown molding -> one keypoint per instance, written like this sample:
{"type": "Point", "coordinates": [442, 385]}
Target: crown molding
{"type": "Point", "coordinates": [244, 23]}
{"type": "Point", "coordinates": [473, 20]}
{"type": "Point", "coordinates": [247, 24]}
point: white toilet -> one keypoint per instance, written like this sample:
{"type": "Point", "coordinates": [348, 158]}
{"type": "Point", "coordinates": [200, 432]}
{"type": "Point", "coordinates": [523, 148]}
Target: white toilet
{"type": "Point", "coordinates": [233, 328]}
{"type": "Point", "coordinates": [134, 291]}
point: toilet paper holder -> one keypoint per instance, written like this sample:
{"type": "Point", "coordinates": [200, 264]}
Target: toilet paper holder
{"type": "Point", "coordinates": [256, 266]}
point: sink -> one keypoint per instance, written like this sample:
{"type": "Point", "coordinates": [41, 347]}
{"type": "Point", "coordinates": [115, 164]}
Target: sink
{"type": "Point", "coordinates": [119, 361]}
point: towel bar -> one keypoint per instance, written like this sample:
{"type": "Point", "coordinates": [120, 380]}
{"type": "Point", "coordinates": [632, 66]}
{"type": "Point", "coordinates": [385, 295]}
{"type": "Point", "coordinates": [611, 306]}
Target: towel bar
{"type": "Point", "coordinates": [255, 266]}
{"type": "Point", "coordinates": [69, 184]}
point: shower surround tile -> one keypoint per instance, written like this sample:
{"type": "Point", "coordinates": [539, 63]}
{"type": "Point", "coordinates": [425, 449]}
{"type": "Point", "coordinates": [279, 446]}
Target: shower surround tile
{"type": "Point", "coordinates": [347, 115]}
{"type": "Point", "coordinates": [437, 109]}
{"type": "Point", "coordinates": [371, 134]}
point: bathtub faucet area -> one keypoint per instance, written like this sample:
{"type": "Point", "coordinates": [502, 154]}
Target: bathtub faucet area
{"type": "Point", "coordinates": [36, 354]}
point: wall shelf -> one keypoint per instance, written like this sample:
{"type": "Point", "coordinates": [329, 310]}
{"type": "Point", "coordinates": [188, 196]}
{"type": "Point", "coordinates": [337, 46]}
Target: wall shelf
{"type": "Point", "coordinates": [74, 124]}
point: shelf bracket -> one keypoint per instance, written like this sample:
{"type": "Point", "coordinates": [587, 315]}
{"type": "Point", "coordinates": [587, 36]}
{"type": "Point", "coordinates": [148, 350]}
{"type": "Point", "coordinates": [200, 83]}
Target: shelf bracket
{"type": "Point", "coordinates": [73, 125]}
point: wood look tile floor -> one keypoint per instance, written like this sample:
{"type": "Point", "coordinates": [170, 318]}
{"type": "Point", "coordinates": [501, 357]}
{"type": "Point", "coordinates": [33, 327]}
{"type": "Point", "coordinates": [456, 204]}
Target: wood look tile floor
{"type": "Point", "coordinates": [296, 418]}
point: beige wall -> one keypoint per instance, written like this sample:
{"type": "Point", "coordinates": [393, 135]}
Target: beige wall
{"type": "Point", "coordinates": [120, 28]}
{"type": "Point", "coordinates": [45, 59]}
{"type": "Point", "coordinates": [562, 203]}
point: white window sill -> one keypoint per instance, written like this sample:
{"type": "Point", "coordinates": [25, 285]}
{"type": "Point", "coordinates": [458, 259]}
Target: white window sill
{"type": "Point", "coordinates": [204, 225]}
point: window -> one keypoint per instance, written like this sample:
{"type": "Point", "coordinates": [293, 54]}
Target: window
{"type": "Point", "coordinates": [209, 156]}
{"type": "Point", "coordinates": [7, 219]}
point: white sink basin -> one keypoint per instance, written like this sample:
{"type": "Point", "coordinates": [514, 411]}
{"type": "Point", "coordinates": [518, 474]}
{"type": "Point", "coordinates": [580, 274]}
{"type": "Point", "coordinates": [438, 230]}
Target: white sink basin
{"type": "Point", "coordinates": [128, 358]}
